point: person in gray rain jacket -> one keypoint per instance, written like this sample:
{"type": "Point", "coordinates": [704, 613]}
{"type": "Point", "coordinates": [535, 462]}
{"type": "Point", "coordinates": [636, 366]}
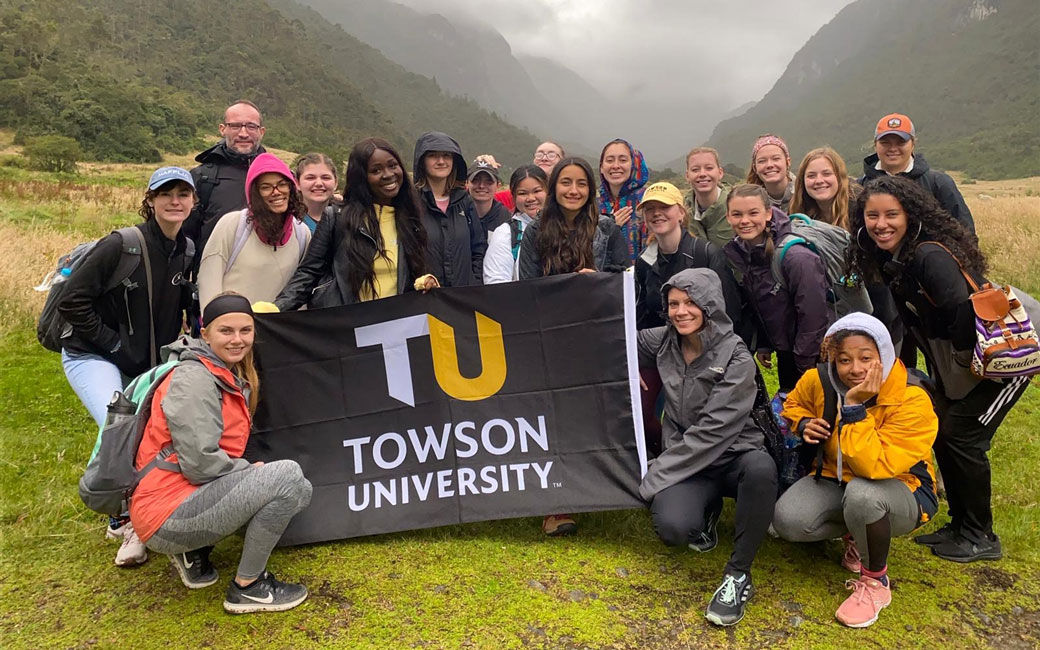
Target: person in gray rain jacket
{"type": "Point", "coordinates": [711, 445]}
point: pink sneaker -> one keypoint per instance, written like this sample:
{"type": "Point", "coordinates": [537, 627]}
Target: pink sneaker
{"type": "Point", "coordinates": [861, 608]}
{"type": "Point", "coordinates": [851, 559]}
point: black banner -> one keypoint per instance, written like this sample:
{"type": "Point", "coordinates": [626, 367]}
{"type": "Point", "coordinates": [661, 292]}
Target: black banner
{"type": "Point", "coordinates": [454, 406]}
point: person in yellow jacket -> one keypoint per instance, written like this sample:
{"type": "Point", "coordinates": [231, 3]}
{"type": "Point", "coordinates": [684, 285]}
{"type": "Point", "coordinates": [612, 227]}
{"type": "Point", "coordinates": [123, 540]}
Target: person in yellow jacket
{"type": "Point", "coordinates": [873, 477]}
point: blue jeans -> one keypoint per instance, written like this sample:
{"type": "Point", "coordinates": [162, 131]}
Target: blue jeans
{"type": "Point", "coordinates": [94, 380]}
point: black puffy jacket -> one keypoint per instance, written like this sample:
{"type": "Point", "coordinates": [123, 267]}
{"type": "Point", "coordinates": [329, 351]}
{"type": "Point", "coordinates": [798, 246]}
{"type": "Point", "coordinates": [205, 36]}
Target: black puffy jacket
{"type": "Point", "coordinates": [940, 185]}
{"type": "Point", "coordinates": [455, 240]}
{"type": "Point", "coordinates": [115, 324]}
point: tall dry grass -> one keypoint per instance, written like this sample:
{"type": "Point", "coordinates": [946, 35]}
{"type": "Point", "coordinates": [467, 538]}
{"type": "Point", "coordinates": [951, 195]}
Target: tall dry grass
{"type": "Point", "coordinates": [26, 255]}
{"type": "Point", "coordinates": [67, 204]}
{"type": "Point", "coordinates": [1009, 234]}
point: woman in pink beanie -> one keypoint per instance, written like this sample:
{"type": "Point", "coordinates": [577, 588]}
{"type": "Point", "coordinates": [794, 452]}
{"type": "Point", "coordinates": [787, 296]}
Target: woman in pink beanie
{"type": "Point", "coordinates": [771, 168]}
{"type": "Point", "coordinates": [255, 251]}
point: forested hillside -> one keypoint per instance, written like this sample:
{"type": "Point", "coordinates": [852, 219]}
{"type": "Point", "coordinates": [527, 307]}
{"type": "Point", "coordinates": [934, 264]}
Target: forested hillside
{"type": "Point", "coordinates": [130, 78]}
{"type": "Point", "coordinates": [966, 71]}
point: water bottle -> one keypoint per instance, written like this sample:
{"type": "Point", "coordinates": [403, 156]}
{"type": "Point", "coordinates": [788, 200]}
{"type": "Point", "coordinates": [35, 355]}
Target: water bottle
{"type": "Point", "coordinates": [119, 408]}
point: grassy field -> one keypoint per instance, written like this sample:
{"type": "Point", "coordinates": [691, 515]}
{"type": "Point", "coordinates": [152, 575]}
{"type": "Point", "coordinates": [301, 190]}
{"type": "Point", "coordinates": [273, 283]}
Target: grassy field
{"type": "Point", "coordinates": [491, 585]}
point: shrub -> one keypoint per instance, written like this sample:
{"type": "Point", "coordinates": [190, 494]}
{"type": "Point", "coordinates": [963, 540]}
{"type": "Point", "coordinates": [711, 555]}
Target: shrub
{"type": "Point", "coordinates": [53, 153]}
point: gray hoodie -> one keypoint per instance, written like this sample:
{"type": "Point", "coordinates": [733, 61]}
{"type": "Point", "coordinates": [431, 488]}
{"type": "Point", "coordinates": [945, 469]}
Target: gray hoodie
{"type": "Point", "coordinates": [193, 409]}
{"type": "Point", "coordinates": [707, 420]}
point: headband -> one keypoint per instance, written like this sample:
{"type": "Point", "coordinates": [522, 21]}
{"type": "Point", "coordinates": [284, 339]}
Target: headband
{"type": "Point", "coordinates": [226, 304]}
{"type": "Point", "coordinates": [766, 140]}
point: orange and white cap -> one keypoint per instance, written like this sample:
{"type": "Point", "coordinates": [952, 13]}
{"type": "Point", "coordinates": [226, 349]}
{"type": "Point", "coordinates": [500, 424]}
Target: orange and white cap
{"type": "Point", "coordinates": [896, 123]}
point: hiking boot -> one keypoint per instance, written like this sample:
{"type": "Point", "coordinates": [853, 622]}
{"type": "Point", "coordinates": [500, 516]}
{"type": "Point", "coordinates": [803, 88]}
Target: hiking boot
{"type": "Point", "coordinates": [851, 560]}
{"type": "Point", "coordinates": [132, 552]}
{"type": "Point", "coordinates": [944, 534]}
{"type": "Point", "coordinates": [559, 525]}
{"type": "Point", "coordinates": [194, 568]}
{"type": "Point", "coordinates": [861, 609]}
{"type": "Point", "coordinates": [729, 600]}
{"type": "Point", "coordinates": [265, 594]}
{"type": "Point", "coordinates": [116, 529]}
{"type": "Point", "coordinates": [961, 549]}
{"type": "Point", "coordinates": [709, 537]}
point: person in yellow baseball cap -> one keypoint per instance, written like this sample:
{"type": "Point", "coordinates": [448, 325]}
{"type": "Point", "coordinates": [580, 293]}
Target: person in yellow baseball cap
{"type": "Point", "coordinates": [671, 249]}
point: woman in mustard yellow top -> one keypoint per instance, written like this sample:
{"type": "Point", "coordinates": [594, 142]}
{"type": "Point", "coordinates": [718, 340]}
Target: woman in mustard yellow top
{"type": "Point", "coordinates": [873, 478]}
{"type": "Point", "coordinates": [375, 245]}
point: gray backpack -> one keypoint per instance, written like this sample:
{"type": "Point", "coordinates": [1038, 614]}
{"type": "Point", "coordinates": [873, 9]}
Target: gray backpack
{"type": "Point", "coordinates": [831, 243]}
{"type": "Point", "coordinates": [110, 478]}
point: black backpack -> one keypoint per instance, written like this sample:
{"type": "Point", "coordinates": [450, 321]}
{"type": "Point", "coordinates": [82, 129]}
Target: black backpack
{"type": "Point", "coordinates": [51, 328]}
{"type": "Point", "coordinates": [793, 459]}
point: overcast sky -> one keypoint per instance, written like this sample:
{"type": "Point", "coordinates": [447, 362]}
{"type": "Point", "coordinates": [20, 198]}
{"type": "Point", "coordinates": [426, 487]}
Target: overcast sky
{"type": "Point", "coordinates": [736, 48]}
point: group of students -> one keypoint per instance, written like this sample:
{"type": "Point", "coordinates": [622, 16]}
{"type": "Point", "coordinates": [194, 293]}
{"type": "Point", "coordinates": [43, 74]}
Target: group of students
{"type": "Point", "coordinates": [708, 306]}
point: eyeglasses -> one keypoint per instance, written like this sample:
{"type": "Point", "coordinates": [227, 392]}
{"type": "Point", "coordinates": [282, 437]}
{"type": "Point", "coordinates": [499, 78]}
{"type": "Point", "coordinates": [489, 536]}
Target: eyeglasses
{"type": "Point", "coordinates": [266, 188]}
{"type": "Point", "coordinates": [547, 157]}
{"type": "Point", "coordinates": [235, 127]}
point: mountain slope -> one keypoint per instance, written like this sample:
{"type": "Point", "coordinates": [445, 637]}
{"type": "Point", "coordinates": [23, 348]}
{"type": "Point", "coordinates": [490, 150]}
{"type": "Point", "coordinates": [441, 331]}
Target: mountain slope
{"type": "Point", "coordinates": [465, 60]}
{"type": "Point", "coordinates": [128, 79]}
{"type": "Point", "coordinates": [966, 71]}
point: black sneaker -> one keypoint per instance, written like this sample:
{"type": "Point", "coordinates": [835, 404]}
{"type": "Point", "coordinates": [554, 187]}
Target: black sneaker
{"type": "Point", "coordinates": [709, 538]}
{"type": "Point", "coordinates": [266, 594]}
{"type": "Point", "coordinates": [727, 604]}
{"type": "Point", "coordinates": [194, 568]}
{"type": "Point", "coordinates": [944, 534]}
{"type": "Point", "coordinates": [964, 550]}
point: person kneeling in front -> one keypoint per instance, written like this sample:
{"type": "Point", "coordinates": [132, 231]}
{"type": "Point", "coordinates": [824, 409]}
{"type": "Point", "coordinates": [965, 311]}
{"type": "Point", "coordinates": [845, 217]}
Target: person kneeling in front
{"type": "Point", "coordinates": [711, 447]}
{"type": "Point", "coordinates": [200, 417]}
{"type": "Point", "coordinates": [875, 479]}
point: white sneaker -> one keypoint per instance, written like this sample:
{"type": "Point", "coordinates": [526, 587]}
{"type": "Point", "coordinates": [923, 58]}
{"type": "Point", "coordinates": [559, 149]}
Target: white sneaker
{"type": "Point", "coordinates": [132, 552]}
{"type": "Point", "coordinates": [115, 534]}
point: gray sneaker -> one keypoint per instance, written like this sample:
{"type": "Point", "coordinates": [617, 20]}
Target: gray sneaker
{"type": "Point", "coordinates": [730, 599]}
{"type": "Point", "coordinates": [266, 594]}
{"type": "Point", "coordinates": [194, 568]}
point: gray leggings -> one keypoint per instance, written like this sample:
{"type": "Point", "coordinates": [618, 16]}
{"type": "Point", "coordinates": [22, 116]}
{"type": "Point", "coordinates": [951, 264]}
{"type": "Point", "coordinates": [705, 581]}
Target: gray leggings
{"type": "Point", "coordinates": [264, 497]}
{"type": "Point", "coordinates": [811, 511]}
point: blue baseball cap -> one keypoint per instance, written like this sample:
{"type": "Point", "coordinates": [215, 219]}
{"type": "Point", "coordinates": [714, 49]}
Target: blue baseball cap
{"type": "Point", "coordinates": [164, 175]}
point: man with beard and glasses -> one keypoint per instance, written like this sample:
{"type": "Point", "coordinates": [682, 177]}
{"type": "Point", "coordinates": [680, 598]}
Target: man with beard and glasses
{"type": "Point", "coordinates": [221, 175]}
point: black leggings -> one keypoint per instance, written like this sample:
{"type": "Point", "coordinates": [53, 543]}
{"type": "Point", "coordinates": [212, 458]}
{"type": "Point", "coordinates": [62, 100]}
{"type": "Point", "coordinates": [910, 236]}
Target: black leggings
{"type": "Point", "coordinates": [679, 511]}
{"type": "Point", "coordinates": [966, 427]}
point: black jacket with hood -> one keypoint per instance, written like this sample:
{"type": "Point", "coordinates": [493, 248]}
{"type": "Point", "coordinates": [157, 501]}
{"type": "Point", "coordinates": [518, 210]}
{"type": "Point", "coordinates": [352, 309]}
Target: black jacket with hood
{"type": "Point", "coordinates": [940, 185]}
{"type": "Point", "coordinates": [322, 278]}
{"type": "Point", "coordinates": [455, 239]}
{"type": "Point", "coordinates": [220, 181]}
{"type": "Point", "coordinates": [707, 416]}
{"type": "Point", "coordinates": [115, 324]}
{"type": "Point", "coordinates": [654, 268]}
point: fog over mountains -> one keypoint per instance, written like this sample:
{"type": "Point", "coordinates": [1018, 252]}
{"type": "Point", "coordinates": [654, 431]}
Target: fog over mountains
{"type": "Point", "coordinates": [671, 74]}
{"type": "Point", "coordinates": [585, 72]}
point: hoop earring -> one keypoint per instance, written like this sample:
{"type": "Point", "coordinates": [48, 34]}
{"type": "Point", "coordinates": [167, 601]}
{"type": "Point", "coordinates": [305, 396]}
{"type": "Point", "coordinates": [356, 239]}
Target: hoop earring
{"type": "Point", "coordinates": [859, 244]}
{"type": "Point", "coordinates": [918, 235]}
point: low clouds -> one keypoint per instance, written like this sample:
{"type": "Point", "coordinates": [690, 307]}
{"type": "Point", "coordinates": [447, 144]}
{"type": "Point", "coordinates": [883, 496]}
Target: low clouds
{"type": "Point", "coordinates": [663, 50]}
